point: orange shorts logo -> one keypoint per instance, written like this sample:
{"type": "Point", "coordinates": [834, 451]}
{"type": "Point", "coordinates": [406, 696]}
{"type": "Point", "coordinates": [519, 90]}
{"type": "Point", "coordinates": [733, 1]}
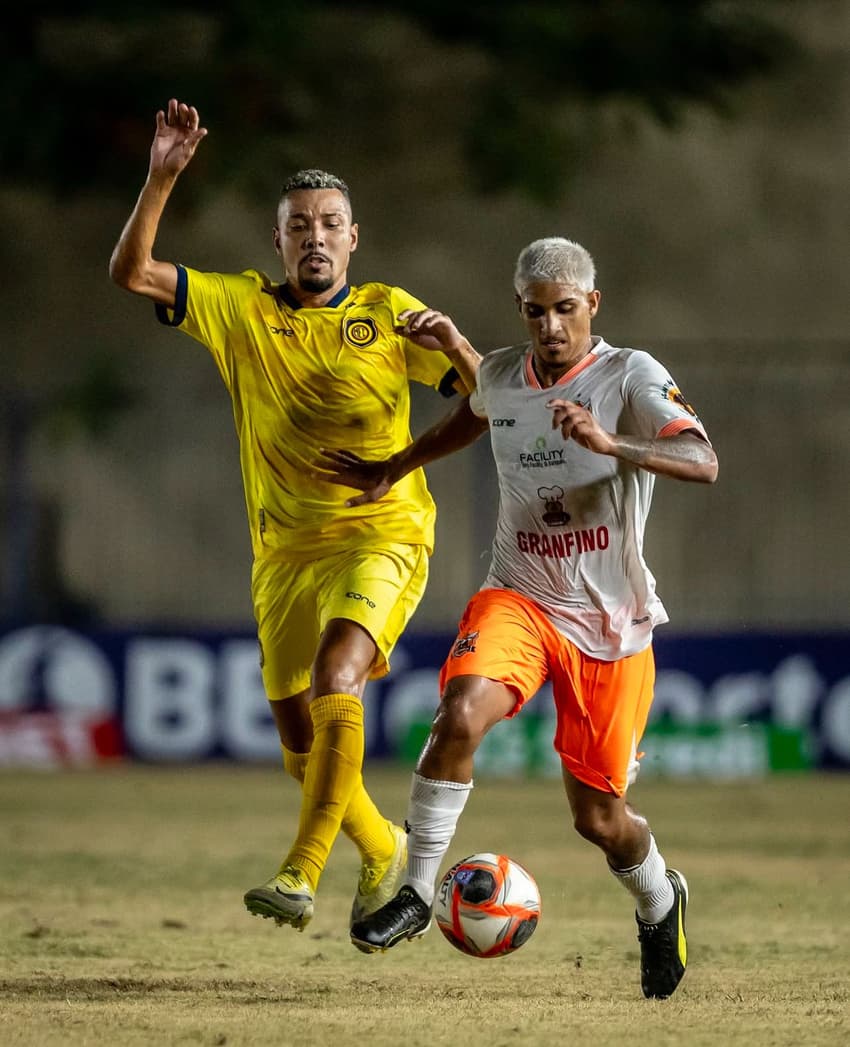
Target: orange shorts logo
{"type": "Point", "coordinates": [464, 645]}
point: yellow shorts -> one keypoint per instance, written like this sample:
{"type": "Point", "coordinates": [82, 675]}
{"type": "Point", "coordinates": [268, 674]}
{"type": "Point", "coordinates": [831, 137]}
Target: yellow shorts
{"type": "Point", "coordinates": [377, 587]}
{"type": "Point", "coordinates": [601, 707]}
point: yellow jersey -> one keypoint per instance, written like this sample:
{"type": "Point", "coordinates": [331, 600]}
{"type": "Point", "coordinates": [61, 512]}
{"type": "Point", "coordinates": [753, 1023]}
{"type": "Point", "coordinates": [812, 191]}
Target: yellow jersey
{"type": "Point", "coordinates": [302, 379]}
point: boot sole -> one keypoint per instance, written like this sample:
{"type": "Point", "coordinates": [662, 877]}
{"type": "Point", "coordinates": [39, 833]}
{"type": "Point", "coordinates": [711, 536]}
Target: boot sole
{"type": "Point", "coordinates": [277, 907]}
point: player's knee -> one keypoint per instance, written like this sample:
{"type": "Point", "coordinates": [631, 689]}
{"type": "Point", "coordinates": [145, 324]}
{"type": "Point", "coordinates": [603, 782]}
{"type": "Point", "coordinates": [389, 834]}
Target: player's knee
{"type": "Point", "coordinates": [341, 683]}
{"type": "Point", "coordinates": [458, 721]}
{"type": "Point", "coordinates": [344, 659]}
{"type": "Point", "coordinates": [469, 707]}
{"type": "Point", "coordinates": [598, 825]}
{"type": "Point", "coordinates": [339, 676]}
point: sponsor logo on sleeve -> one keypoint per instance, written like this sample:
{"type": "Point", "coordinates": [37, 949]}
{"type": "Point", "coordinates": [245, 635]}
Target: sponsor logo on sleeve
{"type": "Point", "coordinates": [670, 391]}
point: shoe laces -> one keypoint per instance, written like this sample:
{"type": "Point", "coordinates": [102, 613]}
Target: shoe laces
{"type": "Point", "coordinates": [370, 876]}
{"type": "Point", "coordinates": [658, 936]}
{"type": "Point", "coordinates": [404, 907]}
{"type": "Point", "coordinates": [292, 878]}
{"type": "Point", "coordinates": [408, 901]}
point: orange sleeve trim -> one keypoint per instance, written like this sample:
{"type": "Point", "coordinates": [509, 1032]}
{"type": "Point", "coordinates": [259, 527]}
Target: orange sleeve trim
{"type": "Point", "coordinates": [680, 425]}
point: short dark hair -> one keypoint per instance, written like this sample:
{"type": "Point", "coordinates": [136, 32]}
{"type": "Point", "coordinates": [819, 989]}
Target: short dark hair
{"type": "Point", "coordinates": [313, 178]}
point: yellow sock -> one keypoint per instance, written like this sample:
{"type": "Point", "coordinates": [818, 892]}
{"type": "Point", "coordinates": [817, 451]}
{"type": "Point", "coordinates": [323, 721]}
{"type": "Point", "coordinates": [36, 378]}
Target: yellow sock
{"type": "Point", "coordinates": [362, 823]}
{"type": "Point", "coordinates": [295, 764]}
{"type": "Point", "coordinates": [367, 828]}
{"type": "Point", "coordinates": [331, 777]}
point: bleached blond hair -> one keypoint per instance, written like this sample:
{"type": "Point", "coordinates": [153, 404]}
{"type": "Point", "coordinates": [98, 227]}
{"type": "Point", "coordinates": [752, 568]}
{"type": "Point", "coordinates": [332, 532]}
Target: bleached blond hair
{"type": "Point", "coordinates": [557, 260]}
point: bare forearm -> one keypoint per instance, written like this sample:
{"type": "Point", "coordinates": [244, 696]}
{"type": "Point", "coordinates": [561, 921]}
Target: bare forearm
{"type": "Point", "coordinates": [457, 430]}
{"type": "Point", "coordinates": [374, 478]}
{"type": "Point", "coordinates": [465, 361]}
{"type": "Point", "coordinates": [682, 457]}
{"type": "Point", "coordinates": [132, 264]}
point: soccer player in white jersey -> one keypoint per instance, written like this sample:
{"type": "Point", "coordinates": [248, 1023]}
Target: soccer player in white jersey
{"type": "Point", "coordinates": [579, 430]}
{"type": "Point", "coordinates": [311, 362]}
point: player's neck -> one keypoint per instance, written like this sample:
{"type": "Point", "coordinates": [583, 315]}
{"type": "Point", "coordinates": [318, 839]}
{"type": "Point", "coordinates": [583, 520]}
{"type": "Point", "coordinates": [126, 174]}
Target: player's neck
{"type": "Point", "coordinates": [308, 299]}
{"type": "Point", "coordinates": [548, 374]}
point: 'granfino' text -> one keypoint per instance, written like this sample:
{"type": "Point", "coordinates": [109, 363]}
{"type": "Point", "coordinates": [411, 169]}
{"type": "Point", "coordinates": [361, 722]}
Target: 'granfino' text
{"type": "Point", "coordinates": [561, 546]}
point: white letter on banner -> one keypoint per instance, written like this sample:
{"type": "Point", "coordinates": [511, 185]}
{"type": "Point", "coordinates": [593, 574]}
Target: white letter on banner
{"type": "Point", "coordinates": [737, 696]}
{"type": "Point", "coordinates": [797, 686]}
{"type": "Point", "coordinates": [679, 695]}
{"type": "Point", "coordinates": [68, 670]}
{"type": "Point", "coordinates": [168, 712]}
{"type": "Point", "coordinates": [247, 726]}
{"type": "Point", "coordinates": [835, 729]}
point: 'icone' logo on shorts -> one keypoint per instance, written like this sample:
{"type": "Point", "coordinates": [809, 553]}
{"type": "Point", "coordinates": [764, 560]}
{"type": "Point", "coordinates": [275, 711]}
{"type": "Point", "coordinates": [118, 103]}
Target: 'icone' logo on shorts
{"type": "Point", "coordinates": [360, 596]}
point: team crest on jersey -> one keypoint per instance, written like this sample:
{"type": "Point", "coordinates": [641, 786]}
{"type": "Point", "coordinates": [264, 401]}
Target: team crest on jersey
{"type": "Point", "coordinates": [672, 393]}
{"type": "Point", "coordinates": [360, 331]}
{"type": "Point", "coordinates": [464, 645]}
{"type": "Point", "coordinates": [554, 513]}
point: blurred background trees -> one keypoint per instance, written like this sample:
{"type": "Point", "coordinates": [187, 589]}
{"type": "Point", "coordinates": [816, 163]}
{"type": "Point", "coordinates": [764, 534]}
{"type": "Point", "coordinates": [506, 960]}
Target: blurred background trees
{"type": "Point", "coordinates": [78, 79]}
{"type": "Point", "coordinates": [699, 149]}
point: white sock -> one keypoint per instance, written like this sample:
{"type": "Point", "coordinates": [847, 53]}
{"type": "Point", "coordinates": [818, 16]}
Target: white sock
{"type": "Point", "coordinates": [648, 885]}
{"type": "Point", "coordinates": [432, 816]}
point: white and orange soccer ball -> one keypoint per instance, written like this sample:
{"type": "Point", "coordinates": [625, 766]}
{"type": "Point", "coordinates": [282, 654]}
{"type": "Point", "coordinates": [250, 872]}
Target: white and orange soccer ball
{"type": "Point", "coordinates": [487, 905]}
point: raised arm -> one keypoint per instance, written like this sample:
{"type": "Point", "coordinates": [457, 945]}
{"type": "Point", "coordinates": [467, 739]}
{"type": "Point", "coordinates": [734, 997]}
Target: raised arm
{"type": "Point", "coordinates": [685, 456]}
{"type": "Point", "coordinates": [457, 430]}
{"type": "Point", "coordinates": [435, 330]}
{"type": "Point", "coordinates": [132, 265]}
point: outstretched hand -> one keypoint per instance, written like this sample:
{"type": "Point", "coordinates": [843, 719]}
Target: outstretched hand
{"type": "Point", "coordinates": [178, 133]}
{"type": "Point", "coordinates": [577, 423]}
{"type": "Point", "coordinates": [373, 478]}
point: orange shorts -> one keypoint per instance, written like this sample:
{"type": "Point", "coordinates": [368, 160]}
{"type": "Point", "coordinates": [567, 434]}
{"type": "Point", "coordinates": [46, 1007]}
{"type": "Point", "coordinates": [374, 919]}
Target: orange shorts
{"type": "Point", "coordinates": [601, 707]}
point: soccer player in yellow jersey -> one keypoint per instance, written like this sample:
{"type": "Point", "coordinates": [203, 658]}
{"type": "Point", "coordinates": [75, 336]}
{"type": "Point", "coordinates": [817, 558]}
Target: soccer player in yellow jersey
{"type": "Point", "coordinates": [312, 363]}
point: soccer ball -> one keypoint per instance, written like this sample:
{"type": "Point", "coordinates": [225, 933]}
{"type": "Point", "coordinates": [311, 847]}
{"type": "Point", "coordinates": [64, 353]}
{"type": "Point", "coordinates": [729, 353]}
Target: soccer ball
{"type": "Point", "coordinates": [487, 905]}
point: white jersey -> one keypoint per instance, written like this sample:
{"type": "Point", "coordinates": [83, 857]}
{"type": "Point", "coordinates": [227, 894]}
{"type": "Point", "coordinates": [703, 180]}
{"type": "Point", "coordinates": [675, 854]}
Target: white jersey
{"type": "Point", "coordinates": [571, 522]}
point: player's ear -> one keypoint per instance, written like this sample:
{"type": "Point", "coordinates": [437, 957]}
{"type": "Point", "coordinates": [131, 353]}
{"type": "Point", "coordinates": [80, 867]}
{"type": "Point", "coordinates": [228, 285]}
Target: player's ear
{"type": "Point", "coordinates": [518, 301]}
{"type": "Point", "coordinates": [276, 238]}
{"type": "Point", "coordinates": [593, 300]}
{"type": "Point", "coordinates": [354, 236]}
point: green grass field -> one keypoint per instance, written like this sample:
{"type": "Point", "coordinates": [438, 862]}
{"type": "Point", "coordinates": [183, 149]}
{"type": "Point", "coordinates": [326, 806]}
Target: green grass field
{"type": "Point", "coordinates": [121, 920]}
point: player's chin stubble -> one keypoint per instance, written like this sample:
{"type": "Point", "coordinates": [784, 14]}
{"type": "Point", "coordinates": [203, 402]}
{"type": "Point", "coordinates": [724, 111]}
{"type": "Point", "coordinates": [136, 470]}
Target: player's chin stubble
{"type": "Point", "coordinates": [315, 284]}
{"type": "Point", "coordinates": [315, 281]}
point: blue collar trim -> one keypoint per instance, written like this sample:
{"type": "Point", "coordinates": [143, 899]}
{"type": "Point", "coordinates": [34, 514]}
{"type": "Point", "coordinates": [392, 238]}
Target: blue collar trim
{"type": "Point", "coordinates": [289, 299]}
